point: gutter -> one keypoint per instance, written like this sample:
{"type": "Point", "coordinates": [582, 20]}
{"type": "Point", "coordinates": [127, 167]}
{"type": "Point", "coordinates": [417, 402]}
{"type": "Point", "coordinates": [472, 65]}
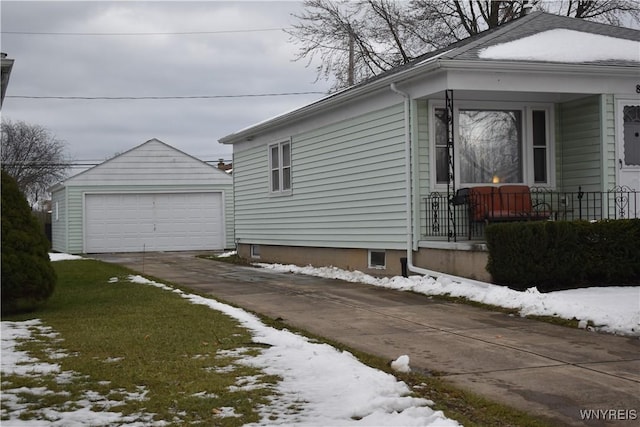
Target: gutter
{"type": "Point", "coordinates": [408, 147]}
{"type": "Point", "coordinates": [504, 66]}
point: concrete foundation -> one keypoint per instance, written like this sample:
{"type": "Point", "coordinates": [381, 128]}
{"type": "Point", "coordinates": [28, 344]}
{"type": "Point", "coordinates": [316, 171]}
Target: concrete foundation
{"type": "Point", "coordinates": [460, 261]}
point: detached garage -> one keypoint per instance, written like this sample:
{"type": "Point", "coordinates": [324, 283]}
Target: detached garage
{"type": "Point", "coordinates": [151, 198]}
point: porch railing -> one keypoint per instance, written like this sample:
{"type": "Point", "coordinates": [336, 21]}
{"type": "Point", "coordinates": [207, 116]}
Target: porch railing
{"type": "Point", "coordinates": [457, 218]}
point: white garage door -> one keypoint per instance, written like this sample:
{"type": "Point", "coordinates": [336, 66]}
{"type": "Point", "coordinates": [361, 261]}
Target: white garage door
{"type": "Point", "coordinates": [153, 222]}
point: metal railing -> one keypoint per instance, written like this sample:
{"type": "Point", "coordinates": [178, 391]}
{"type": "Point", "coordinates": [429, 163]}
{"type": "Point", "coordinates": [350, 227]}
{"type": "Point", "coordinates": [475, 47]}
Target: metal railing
{"type": "Point", "coordinates": [464, 216]}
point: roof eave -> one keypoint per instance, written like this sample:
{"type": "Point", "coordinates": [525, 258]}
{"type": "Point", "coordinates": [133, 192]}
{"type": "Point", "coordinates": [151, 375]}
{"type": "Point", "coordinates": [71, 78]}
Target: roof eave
{"type": "Point", "coordinates": [330, 101]}
{"type": "Point", "coordinates": [539, 67]}
{"type": "Point", "coordinates": [419, 70]}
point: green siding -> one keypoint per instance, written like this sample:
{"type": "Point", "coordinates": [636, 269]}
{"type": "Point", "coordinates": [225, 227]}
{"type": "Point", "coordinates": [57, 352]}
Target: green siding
{"type": "Point", "coordinates": [609, 142]}
{"type": "Point", "coordinates": [422, 144]}
{"type": "Point", "coordinates": [579, 145]}
{"type": "Point", "coordinates": [75, 219]}
{"type": "Point", "coordinates": [348, 187]}
{"type": "Point", "coordinates": [58, 222]}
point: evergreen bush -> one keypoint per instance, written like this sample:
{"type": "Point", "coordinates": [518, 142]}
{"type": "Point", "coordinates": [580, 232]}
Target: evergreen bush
{"type": "Point", "coordinates": [28, 279]}
{"type": "Point", "coordinates": [563, 255]}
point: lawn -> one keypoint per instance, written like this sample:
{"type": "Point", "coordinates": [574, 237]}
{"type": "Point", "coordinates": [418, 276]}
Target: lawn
{"type": "Point", "coordinates": [122, 340]}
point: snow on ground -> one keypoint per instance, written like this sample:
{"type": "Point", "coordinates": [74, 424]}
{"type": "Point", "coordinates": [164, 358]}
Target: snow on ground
{"type": "Point", "coordinates": [63, 257]}
{"type": "Point", "coordinates": [562, 45]}
{"type": "Point", "coordinates": [614, 309]}
{"type": "Point", "coordinates": [320, 384]}
{"type": "Point", "coordinates": [328, 386]}
{"type": "Point", "coordinates": [310, 371]}
{"type": "Point", "coordinates": [71, 413]}
{"type": "Point", "coordinates": [227, 254]}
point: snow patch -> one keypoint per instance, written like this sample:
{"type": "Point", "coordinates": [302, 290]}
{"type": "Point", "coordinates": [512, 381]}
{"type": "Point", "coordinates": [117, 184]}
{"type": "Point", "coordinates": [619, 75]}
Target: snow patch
{"type": "Point", "coordinates": [63, 257]}
{"type": "Point", "coordinates": [613, 309]}
{"type": "Point", "coordinates": [562, 45]}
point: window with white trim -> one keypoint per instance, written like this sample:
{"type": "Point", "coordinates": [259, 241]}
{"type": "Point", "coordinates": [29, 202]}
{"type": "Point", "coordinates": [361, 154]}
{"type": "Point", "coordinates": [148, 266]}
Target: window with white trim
{"type": "Point", "coordinates": [280, 167]}
{"type": "Point", "coordinates": [255, 251]}
{"type": "Point", "coordinates": [539, 129]}
{"type": "Point", "coordinates": [377, 259]}
{"type": "Point", "coordinates": [507, 143]}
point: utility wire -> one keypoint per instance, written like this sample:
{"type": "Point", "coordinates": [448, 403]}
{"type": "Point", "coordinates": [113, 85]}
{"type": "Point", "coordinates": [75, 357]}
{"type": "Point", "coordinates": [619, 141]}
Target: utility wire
{"type": "Point", "coordinates": [178, 33]}
{"type": "Point", "coordinates": [76, 164]}
{"type": "Point", "coordinates": [254, 95]}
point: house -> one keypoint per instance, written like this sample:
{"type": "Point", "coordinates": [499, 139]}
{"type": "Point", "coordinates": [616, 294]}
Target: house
{"type": "Point", "coordinates": [370, 175]}
{"type": "Point", "coordinates": [150, 198]}
{"type": "Point", "coordinates": [6, 65]}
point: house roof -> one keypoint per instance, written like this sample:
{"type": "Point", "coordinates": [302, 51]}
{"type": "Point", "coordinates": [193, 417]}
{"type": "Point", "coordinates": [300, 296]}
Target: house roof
{"type": "Point", "coordinates": [163, 158]}
{"type": "Point", "coordinates": [476, 51]}
{"type": "Point", "coordinates": [6, 65]}
{"type": "Point", "coordinates": [540, 22]}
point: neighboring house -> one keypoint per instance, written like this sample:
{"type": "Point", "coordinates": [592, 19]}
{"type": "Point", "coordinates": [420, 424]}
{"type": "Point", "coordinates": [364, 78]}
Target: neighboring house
{"type": "Point", "coordinates": [362, 178]}
{"type": "Point", "coordinates": [150, 198]}
{"type": "Point", "coordinates": [6, 65]}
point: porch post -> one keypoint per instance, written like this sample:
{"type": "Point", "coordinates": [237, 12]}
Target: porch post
{"type": "Point", "coordinates": [451, 184]}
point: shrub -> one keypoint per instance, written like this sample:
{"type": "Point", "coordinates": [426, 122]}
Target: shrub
{"type": "Point", "coordinates": [28, 279]}
{"type": "Point", "coordinates": [563, 255]}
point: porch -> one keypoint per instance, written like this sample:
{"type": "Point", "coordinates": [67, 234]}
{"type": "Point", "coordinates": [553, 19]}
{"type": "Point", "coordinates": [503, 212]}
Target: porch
{"type": "Point", "coordinates": [463, 215]}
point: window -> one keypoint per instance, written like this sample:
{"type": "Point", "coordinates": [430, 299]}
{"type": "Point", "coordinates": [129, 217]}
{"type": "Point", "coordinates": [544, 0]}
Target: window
{"type": "Point", "coordinates": [539, 127]}
{"type": "Point", "coordinates": [490, 144]}
{"type": "Point", "coordinates": [631, 120]}
{"type": "Point", "coordinates": [494, 145]}
{"type": "Point", "coordinates": [255, 251]}
{"type": "Point", "coordinates": [442, 160]}
{"type": "Point", "coordinates": [377, 259]}
{"type": "Point", "coordinates": [280, 167]}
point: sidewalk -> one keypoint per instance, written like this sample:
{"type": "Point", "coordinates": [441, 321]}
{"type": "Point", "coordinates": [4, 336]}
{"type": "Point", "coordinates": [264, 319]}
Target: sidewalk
{"type": "Point", "coordinates": [547, 370]}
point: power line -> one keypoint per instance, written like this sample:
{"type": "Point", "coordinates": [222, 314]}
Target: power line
{"type": "Point", "coordinates": [253, 95]}
{"type": "Point", "coordinates": [177, 33]}
{"type": "Point", "coordinates": [74, 164]}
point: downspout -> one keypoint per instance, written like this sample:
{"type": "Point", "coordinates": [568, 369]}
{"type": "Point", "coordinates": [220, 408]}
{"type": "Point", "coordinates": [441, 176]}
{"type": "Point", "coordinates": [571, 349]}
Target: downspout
{"type": "Point", "coordinates": [408, 146]}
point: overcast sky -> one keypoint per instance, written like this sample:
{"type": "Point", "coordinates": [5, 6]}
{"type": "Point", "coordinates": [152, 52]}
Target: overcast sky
{"type": "Point", "coordinates": [230, 63]}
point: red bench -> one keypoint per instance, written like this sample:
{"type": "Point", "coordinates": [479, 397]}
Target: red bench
{"type": "Point", "coordinates": [505, 203]}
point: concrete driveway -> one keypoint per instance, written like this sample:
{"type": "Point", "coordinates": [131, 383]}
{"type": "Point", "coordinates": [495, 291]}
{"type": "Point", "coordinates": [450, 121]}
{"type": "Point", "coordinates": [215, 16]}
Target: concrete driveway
{"type": "Point", "coordinates": [547, 370]}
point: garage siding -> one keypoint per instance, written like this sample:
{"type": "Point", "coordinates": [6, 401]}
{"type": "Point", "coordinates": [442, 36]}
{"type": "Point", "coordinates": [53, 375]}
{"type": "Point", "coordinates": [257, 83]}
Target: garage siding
{"type": "Point", "coordinates": [58, 221]}
{"type": "Point", "coordinates": [151, 168]}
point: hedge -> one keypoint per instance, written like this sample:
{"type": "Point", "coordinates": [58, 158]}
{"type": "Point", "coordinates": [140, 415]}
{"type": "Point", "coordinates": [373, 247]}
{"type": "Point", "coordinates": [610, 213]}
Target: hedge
{"type": "Point", "coordinates": [28, 278]}
{"type": "Point", "coordinates": [554, 255]}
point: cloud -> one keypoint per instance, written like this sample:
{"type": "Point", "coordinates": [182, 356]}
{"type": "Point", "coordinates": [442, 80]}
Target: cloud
{"type": "Point", "coordinates": [230, 63]}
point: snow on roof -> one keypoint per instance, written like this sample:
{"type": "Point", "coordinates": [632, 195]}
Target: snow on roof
{"type": "Point", "coordinates": [562, 45]}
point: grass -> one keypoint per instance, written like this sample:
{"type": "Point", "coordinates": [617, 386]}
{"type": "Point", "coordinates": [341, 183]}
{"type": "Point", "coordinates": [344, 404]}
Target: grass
{"type": "Point", "coordinates": [122, 339]}
{"type": "Point", "coordinates": [232, 259]}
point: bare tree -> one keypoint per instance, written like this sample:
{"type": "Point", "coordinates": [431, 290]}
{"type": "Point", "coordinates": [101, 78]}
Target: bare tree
{"type": "Point", "coordinates": [356, 40]}
{"type": "Point", "coordinates": [33, 157]}
{"type": "Point", "coordinates": [612, 12]}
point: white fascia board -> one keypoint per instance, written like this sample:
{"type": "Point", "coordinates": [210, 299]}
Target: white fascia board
{"type": "Point", "coordinates": [589, 80]}
{"type": "Point", "coordinates": [472, 75]}
{"type": "Point", "coordinates": [56, 187]}
{"type": "Point", "coordinates": [540, 67]}
{"type": "Point", "coordinates": [327, 103]}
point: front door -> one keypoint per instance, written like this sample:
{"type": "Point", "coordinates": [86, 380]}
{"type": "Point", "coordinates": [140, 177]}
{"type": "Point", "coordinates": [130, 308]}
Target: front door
{"type": "Point", "coordinates": [628, 151]}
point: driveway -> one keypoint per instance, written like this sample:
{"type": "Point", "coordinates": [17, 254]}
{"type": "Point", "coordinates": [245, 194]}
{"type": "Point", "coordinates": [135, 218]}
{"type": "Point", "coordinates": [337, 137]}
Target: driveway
{"type": "Point", "coordinates": [547, 370]}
